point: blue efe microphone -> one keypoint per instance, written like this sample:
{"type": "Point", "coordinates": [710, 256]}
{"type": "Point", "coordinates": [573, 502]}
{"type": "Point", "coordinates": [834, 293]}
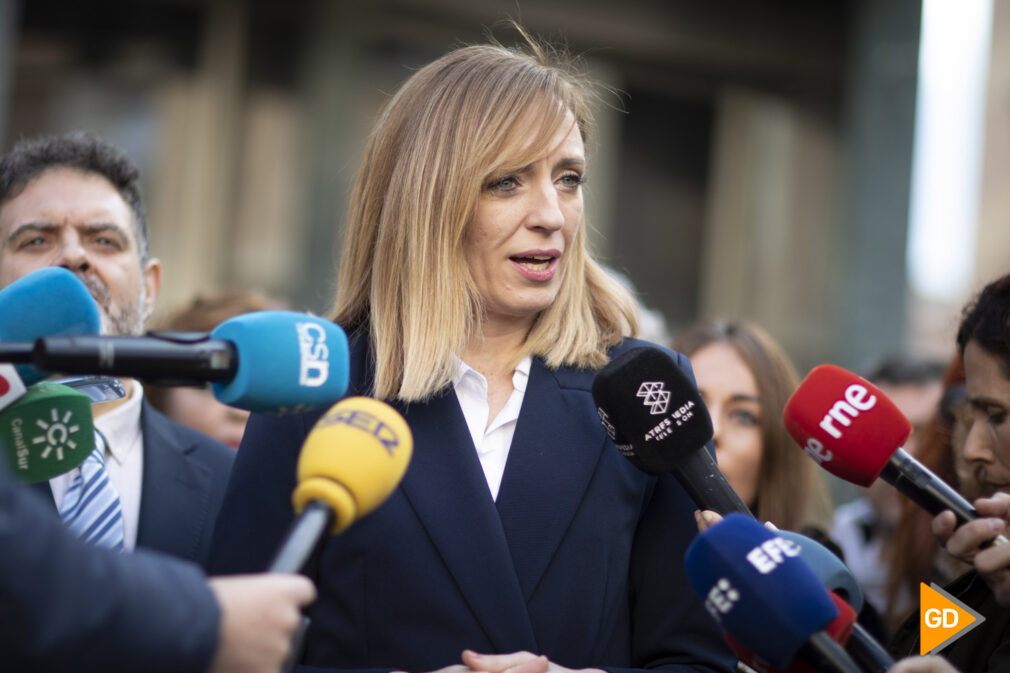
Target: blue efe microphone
{"type": "Point", "coordinates": [268, 361]}
{"type": "Point", "coordinates": [49, 301]}
{"type": "Point", "coordinates": [754, 583]}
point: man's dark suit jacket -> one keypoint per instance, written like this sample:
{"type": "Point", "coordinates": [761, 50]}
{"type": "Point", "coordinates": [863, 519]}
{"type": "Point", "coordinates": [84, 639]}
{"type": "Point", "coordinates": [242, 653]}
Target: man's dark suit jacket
{"type": "Point", "coordinates": [184, 478]}
{"type": "Point", "coordinates": [580, 559]}
{"type": "Point", "coordinates": [67, 606]}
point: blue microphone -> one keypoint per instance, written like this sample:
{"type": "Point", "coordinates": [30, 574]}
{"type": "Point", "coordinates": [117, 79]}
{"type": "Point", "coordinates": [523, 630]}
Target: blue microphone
{"type": "Point", "coordinates": [754, 583]}
{"type": "Point", "coordinates": [49, 301]}
{"type": "Point", "coordinates": [287, 362]}
{"type": "Point", "coordinates": [268, 361]}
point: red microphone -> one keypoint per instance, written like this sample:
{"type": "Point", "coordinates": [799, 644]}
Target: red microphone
{"type": "Point", "coordinates": [839, 630]}
{"type": "Point", "coordinates": [855, 432]}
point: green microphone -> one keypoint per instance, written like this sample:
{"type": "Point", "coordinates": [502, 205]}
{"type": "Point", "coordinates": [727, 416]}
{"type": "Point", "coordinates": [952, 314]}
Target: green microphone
{"type": "Point", "coordinates": [48, 432]}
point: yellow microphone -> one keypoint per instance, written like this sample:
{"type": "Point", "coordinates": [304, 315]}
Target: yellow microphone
{"type": "Point", "coordinates": [351, 461]}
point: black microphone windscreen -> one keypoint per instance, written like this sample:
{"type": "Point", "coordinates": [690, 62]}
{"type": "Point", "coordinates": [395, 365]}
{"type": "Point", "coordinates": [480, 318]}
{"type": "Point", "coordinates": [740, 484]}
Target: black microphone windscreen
{"type": "Point", "coordinates": [651, 409]}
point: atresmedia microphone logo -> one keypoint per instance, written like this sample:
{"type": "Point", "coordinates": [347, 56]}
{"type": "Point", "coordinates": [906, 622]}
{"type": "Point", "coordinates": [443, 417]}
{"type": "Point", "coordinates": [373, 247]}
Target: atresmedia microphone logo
{"type": "Point", "coordinates": [656, 398]}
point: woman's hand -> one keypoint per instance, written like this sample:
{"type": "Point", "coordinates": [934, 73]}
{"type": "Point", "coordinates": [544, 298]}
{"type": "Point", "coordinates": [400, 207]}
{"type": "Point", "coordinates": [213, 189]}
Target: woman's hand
{"type": "Point", "coordinates": [966, 542]}
{"type": "Point", "coordinates": [705, 518]}
{"type": "Point", "coordinates": [517, 662]}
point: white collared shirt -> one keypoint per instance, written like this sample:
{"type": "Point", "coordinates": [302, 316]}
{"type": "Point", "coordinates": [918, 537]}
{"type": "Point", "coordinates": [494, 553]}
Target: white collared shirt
{"type": "Point", "coordinates": [492, 444]}
{"type": "Point", "coordinates": [124, 461]}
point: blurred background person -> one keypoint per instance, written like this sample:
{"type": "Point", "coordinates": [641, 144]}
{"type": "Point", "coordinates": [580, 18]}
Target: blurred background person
{"type": "Point", "coordinates": [745, 379]}
{"type": "Point", "coordinates": [865, 527]}
{"type": "Point", "coordinates": [197, 407]}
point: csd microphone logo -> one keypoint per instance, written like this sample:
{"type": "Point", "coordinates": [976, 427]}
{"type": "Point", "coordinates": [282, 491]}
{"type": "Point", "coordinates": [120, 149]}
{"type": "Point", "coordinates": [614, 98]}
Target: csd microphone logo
{"type": "Point", "coordinates": [314, 354]}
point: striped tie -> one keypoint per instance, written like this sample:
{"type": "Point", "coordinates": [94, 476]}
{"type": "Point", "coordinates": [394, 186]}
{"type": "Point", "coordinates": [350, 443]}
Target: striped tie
{"type": "Point", "coordinates": [91, 507]}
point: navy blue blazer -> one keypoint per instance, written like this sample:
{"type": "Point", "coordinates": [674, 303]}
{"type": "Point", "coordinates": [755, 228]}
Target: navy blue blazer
{"type": "Point", "coordinates": [580, 558]}
{"type": "Point", "coordinates": [184, 478]}
{"type": "Point", "coordinates": [184, 482]}
{"type": "Point", "coordinates": [68, 606]}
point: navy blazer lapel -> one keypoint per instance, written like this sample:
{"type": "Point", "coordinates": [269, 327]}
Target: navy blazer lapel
{"type": "Point", "coordinates": [175, 491]}
{"type": "Point", "coordinates": [447, 488]}
{"type": "Point", "coordinates": [555, 450]}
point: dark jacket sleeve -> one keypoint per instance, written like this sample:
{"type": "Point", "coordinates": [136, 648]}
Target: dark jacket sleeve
{"type": "Point", "coordinates": [68, 606]}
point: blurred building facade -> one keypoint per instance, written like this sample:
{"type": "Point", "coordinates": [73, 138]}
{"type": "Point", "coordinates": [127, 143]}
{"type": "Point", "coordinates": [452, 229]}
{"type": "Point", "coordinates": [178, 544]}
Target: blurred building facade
{"type": "Point", "coordinates": [756, 164]}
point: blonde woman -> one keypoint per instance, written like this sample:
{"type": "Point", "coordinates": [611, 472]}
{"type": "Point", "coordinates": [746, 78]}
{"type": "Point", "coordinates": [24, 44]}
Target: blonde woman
{"type": "Point", "coordinates": [519, 538]}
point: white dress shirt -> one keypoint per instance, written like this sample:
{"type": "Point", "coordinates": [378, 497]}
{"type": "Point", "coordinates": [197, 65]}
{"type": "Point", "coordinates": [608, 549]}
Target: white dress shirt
{"type": "Point", "coordinates": [492, 444]}
{"type": "Point", "coordinates": [124, 461]}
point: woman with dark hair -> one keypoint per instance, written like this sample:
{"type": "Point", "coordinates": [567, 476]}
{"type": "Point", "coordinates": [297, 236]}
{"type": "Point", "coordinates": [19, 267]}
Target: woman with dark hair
{"type": "Point", "coordinates": [983, 343]}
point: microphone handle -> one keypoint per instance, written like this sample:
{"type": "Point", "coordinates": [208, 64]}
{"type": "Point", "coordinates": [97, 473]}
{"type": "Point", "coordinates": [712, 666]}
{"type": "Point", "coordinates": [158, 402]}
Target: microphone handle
{"type": "Point", "coordinates": [16, 352]}
{"type": "Point", "coordinates": [824, 654]}
{"type": "Point", "coordinates": [297, 642]}
{"type": "Point", "coordinates": [302, 539]}
{"type": "Point", "coordinates": [925, 489]}
{"type": "Point", "coordinates": [867, 652]}
{"type": "Point", "coordinates": [150, 357]}
{"type": "Point", "coordinates": [706, 484]}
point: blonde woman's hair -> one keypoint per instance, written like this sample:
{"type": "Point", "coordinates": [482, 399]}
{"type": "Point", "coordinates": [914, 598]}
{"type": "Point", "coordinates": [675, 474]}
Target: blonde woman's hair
{"type": "Point", "coordinates": [453, 127]}
{"type": "Point", "coordinates": [790, 490]}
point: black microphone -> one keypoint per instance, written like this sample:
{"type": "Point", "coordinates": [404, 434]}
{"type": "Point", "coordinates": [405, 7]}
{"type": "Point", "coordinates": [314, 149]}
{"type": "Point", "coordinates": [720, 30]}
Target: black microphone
{"type": "Point", "coordinates": [188, 358]}
{"type": "Point", "coordinates": [653, 412]}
